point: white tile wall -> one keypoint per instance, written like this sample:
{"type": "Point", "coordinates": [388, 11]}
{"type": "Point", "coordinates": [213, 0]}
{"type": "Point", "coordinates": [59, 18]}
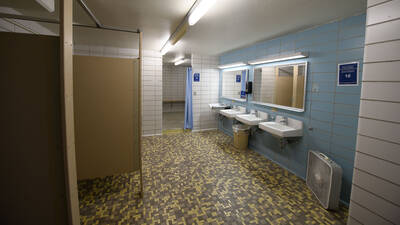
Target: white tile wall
{"type": "Point", "coordinates": [383, 12]}
{"type": "Point", "coordinates": [375, 197]}
{"type": "Point", "coordinates": [151, 81]}
{"type": "Point", "coordinates": [380, 52]}
{"type": "Point", "coordinates": [205, 91]}
{"type": "Point", "coordinates": [391, 71]}
{"type": "Point", "coordinates": [174, 81]}
{"type": "Point", "coordinates": [382, 32]}
{"type": "Point", "coordinates": [174, 87]}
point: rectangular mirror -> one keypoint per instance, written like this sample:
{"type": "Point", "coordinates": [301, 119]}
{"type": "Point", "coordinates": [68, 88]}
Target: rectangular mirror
{"type": "Point", "coordinates": [281, 86]}
{"type": "Point", "coordinates": [234, 84]}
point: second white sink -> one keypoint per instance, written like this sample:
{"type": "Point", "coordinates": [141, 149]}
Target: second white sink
{"type": "Point", "coordinates": [294, 128]}
{"type": "Point", "coordinates": [231, 113]}
{"type": "Point", "coordinates": [252, 119]}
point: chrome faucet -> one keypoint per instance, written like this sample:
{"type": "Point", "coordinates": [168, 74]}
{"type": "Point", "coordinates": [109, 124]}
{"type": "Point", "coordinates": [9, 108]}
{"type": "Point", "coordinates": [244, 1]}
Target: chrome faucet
{"type": "Point", "coordinates": [272, 117]}
{"type": "Point", "coordinates": [283, 121]}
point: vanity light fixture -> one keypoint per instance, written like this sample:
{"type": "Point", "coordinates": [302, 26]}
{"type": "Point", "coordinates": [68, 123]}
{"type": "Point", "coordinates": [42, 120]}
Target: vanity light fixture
{"type": "Point", "coordinates": [236, 64]}
{"type": "Point", "coordinates": [180, 61]}
{"type": "Point", "coordinates": [200, 9]}
{"type": "Point", "coordinates": [297, 55]}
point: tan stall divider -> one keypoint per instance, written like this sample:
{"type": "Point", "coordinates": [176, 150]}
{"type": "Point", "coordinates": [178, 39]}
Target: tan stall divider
{"type": "Point", "coordinates": [31, 154]}
{"type": "Point", "coordinates": [106, 115]}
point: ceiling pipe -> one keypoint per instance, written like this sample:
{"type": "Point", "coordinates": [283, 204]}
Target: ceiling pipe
{"type": "Point", "coordinates": [43, 20]}
{"type": "Point", "coordinates": [90, 13]}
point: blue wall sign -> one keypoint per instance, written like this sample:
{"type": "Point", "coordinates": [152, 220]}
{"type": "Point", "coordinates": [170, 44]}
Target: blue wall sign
{"type": "Point", "coordinates": [196, 77]}
{"type": "Point", "coordinates": [238, 78]}
{"type": "Point", "coordinates": [348, 74]}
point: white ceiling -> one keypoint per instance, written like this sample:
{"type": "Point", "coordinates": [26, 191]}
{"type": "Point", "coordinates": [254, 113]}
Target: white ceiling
{"type": "Point", "coordinates": [233, 24]}
{"type": "Point", "coordinates": [230, 24]}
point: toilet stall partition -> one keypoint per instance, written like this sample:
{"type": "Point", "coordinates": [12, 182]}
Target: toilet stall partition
{"type": "Point", "coordinates": [68, 130]}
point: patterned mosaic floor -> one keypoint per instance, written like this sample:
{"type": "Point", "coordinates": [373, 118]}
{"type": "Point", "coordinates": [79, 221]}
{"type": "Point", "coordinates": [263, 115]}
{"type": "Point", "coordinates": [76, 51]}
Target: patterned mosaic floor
{"type": "Point", "coordinates": [199, 178]}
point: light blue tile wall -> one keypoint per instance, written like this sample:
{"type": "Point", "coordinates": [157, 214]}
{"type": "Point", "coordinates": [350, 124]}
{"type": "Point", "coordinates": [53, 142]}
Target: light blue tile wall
{"type": "Point", "coordinates": [331, 114]}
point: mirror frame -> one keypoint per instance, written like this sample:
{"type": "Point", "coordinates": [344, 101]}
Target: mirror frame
{"type": "Point", "coordinates": [282, 106]}
{"type": "Point", "coordinates": [241, 68]}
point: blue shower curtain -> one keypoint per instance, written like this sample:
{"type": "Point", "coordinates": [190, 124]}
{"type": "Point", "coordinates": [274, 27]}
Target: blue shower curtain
{"type": "Point", "coordinates": [188, 100]}
{"type": "Point", "coordinates": [243, 84]}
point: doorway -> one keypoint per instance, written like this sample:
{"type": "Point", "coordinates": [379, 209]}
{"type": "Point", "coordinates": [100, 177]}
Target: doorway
{"type": "Point", "coordinates": [174, 86]}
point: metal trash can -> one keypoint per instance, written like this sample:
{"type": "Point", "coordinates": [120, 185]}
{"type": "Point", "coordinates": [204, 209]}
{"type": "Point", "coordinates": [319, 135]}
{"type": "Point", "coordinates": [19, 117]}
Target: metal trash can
{"type": "Point", "coordinates": [240, 136]}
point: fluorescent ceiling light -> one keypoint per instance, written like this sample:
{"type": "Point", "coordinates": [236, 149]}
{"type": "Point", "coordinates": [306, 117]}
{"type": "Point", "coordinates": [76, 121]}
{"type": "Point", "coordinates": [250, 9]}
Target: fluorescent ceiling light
{"type": "Point", "coordinates": [166, 48]}
{"type": "Point", "coordinates": [236, 64]}
{"type": "Point", "coordinates": [297, 55]}
{"type": "Point", "coordinates": [200, 10]}
{"type": "Point", "coordinates": [179, 62]}
{"type": "Point", "coordinates": [178, 58]}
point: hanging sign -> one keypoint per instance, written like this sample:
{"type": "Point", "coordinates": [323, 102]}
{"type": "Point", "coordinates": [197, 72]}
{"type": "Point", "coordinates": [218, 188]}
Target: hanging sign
{"type": "Point", "coordinates": [238, 78]}
{"type": "Point", "coordinates": [196, 77]}
{"type": "Point", "coordinates": [348, 74]}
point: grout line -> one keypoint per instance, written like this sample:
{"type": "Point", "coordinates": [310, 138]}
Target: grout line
{"type": "Point", "coordinates": [386, 21]}
{"type": "Point", "coordinates": [380, 120]}
{"type": "Point", "coordinates": [380, 42]}
{"type": "Point", "coordinates": [395, 163]}
{"type": "Point", "coordinates": [355, 220]}
{"type": "Point", "coordinates": [380, 81]}
{"type": "Point", "coordinates": [382, 61]}
{"type": "Point", "coordinates": [380, 3]}
{"type": "Point", "coordinates": [381, 178]}
{"type": "Point", "coordinates": [378, 196]}
{"type": "Point", "coordinates": [369, 210]}
{"type": "Point", "coordinates": [378, 100]}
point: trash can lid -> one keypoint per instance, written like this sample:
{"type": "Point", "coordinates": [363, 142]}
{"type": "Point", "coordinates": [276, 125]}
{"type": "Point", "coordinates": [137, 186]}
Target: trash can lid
{"type": "Point", "coordinates": [240, 127]}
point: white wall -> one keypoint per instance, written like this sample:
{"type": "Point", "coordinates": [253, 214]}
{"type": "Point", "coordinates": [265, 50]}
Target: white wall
{"type": "Point", "coordinates": [174, 81]}
{"type": "Point", "coordinates": [174, 87]}
{"type": "Point", "coordinates": [151, 81]}
{"type": "Point", "coordinates": [205, 91]}
{"type": "Point", "coordinates": [375, 197]}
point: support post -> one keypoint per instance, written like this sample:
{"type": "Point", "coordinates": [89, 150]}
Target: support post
{"type": "Point", "coordinates": [140, 112]}
{"type": "Point", "coordinates": [67, 110]}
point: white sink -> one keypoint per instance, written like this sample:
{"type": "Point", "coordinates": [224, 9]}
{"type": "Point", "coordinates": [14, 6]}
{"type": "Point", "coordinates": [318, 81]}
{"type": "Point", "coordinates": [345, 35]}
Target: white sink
{"type": "Point", "coordinates": [216, 107]}
{"type": "Point", "coordinates": [252, 119]}
{"type": "Point", "coordinates": [231, 113]}
{"type": "Point", "coordinates": [293, 128]}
